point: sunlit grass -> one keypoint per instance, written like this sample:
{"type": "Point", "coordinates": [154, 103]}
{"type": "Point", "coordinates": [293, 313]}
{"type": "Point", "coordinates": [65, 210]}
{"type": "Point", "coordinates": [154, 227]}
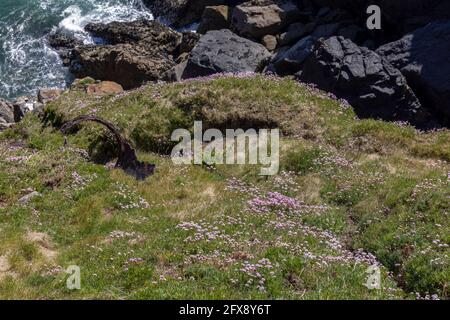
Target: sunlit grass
{"type": "Point", "coordinates": [183, 233]}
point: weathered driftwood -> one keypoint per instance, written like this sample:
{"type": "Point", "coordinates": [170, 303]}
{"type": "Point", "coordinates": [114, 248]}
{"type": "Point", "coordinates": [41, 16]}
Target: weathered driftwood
{"type": "Point", "coordinates": [127, 159]}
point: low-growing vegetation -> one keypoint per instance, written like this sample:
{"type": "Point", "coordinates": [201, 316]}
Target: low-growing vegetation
{"type": "Point", "coordinates": [350, 194]}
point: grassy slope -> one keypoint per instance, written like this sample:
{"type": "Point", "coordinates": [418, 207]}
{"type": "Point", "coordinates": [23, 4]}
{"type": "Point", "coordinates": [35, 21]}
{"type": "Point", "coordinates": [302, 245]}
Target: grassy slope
{"type": "Point", "coordinates": [194, 231]}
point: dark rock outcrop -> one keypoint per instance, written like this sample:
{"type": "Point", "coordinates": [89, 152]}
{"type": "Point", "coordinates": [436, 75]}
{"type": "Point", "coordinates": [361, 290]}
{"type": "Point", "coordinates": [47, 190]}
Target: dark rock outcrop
{"type": "Point", "coordinates": [223, 51]}
{"type": "Point", "coordinates": [424, 59]}
{"type": "Point", "coordinates": [183, 12]}
{"type": "Point", "coordinates": [137, 52]}
{"type": "Point", "coordinates": [63, 43]}
{"type": "Point", "coordinates": [145, 33]}
{"type": "Point", "coordinates": [369, 82]}
{"type": "Point", "coordinates": [188, 42]}
{"type": "Point", "coordinates": [399, 16]}
{"type": "Point", "coordinates": [60, 40]}
{"type": "Point", "coordinates": [290, 60]}
{"type": "Point", "coordinates": [295, 32]}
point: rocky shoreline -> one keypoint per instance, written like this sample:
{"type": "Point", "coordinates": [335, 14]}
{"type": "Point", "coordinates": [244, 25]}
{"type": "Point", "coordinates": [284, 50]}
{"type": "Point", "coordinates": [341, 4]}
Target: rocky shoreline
{"type": "Point", "coordinates": [398, 73]}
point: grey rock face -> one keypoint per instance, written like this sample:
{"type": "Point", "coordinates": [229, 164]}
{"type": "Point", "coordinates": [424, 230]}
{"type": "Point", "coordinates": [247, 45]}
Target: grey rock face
{"type": "Point", "coordinates": [370, 83]}
{"type": "Point", "coordinates": [289, 61]}
{"type": "Point", "coordinates": [295, 32]}
{"type": "Point", "coordinates": [223, 51]}
{"type": "Point", "coordinates": [6, 111]}
{"type": "Point", "coordinates": [424, 58]}
{"type": "Point", "coordinates": [183, 12]}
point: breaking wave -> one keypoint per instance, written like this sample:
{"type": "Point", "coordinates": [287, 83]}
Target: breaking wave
{"type": "Point", "coordinates": [26, 61]}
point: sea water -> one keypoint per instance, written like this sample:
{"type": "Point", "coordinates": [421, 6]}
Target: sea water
{"type": "Point", "coordinates": [27, 63]}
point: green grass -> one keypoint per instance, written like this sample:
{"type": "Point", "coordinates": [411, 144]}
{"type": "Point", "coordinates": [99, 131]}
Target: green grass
{"type": "Point", "coordinates": [187, 233]}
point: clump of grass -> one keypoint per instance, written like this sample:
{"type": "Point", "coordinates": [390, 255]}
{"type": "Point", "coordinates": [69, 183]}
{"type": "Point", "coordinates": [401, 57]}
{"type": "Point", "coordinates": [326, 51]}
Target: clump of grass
{"type": "Point", "coordinates": [352, 193]}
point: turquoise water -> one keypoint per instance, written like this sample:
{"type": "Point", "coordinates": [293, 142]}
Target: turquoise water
{"type": "Point", "coordinates": [26, 61]}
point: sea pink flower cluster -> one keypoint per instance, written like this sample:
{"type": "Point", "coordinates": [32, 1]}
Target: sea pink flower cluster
{"type": "Point", "coordinates": [239, 75]}
{"type": "Point", "coordinates": [273, 201]}
{"type": "Point", "coordinates": [285, 182]}
{"type": "Point", "coordinates": [132, 261]}
{"type": "Point", "coordinates": [203, 231]}
{"type": "Point", "coordinates": [127, 199]}
{"type": "Point", "coordinates": [118, 234]}
{"type": "Point", "coordinates": [428, 185]}
{"type": "Point", "coordinates": [131, 237]}
{"type": "Point", "coordinates": [255, 273]}
{"type": "Point", "coordinates": [427, 296]}
{"type": "Point", "coordinates": [281, 222]}
{"type": "Point", "coordinates": [79, 183]}
{"type": "Point", "coordinates": [20, 159]}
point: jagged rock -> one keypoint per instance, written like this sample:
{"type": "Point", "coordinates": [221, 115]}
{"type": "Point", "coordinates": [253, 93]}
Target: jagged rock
{"type": "Point", "coordinates": [104, 87]}
{"type": "Point", "coordinates": [137, 52]}
{"type": "Point", "coordinates": [256, 21]}
{"type": "Point", "coordinates": [60, 40]}
{"type": "Point", "coordinates": [333, 16]}
{"type": "Point", "coordinates": [146, 33]}
{"type": "Point", "coordinates": [6, 111]}
{"type": "Point", "coordinates": [295, 32]}
{"type": "Point", "coordinates": [369, 82]}
{"type": "Point", "coordinates": [352, 32]}
{"type": "Point", "coordinates": [424, 58]}
{"type": "Point", "coordinates": [399, 16]}
{"type": "Point", "coordinates": [398, 9]}
{"type": "Point", "coordinates": [223, 51]}
{"type": "Point", "coordinates": [176, 73]}
{"type": "Point", "coordinates": [180, 13]}
{"type": "Point", "coordinates": [215, 18]}
{"type": "Point", "coordinates": [326, 30]}
{"type": "Point", "coordinates": [182, 57]}
{"type": "Point", "coordinates": [289, 60]}
{"type": "Point", "coordinates": [270, 42]}
{"type": "Point", "coordinates": [63, 43]}
{"type": "Point", "coordinates": [49, 94]}
{"type": "Point", "coordinates": [188, 42]}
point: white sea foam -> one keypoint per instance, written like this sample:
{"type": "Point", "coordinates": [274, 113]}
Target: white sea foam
{"type": "Point", "coordinates": [26, 61]}
{"type": "Point", "coordinates": [75, 20]}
